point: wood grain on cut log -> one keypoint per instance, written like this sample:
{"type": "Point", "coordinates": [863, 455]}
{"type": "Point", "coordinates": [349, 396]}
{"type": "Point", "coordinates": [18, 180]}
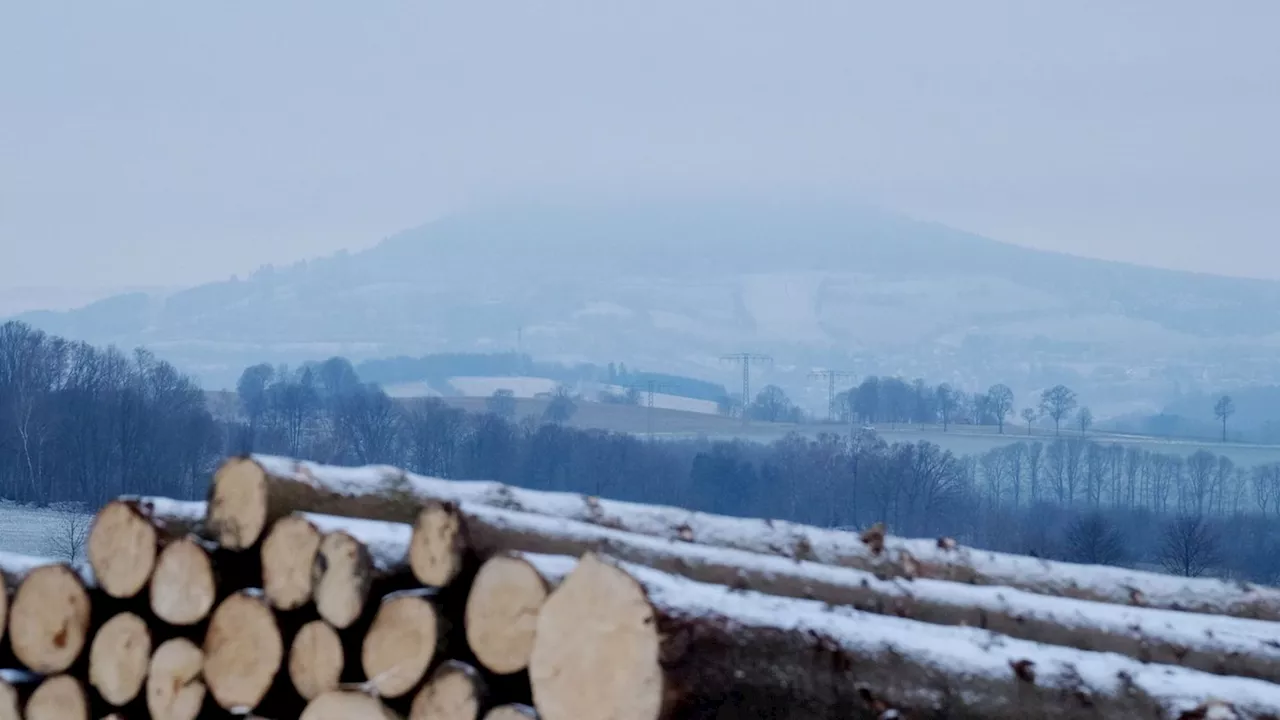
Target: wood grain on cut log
{"type": "Point", "coordinates": [354, 557]}
{"type": "Point", "coordinates": [454, 692]}
{"type": "Point", "coordinates": [1219, 644]}
{"type": "Point", "coordinates": [502, 609]}
{"type": "Point", "coordinates": [243, 651]}
{"type": "Point", "coordinates": [119, 657]}
{"type": "Point", "coordinates": [14, 568]}
{"type": "Point", "coordinates": [127, 536]}
{"type": "Point", "coordinates": [183, 587]}
{"type": "Point", "coordinates": [49, 618]}
{"type": "Point", "coordinates": [346, 705]}
{"type": "Point", "coordinates": [60, 697]}
{"type": "Point", "coordinates": [288, 559]}
{"type": "Point", "coordinates": [389, 494]}
{"type": "Point", "coordinates": [512, 712]}
{"type": "Point", "coordinates": [175, 690]}
{"type": "Point", "coordinates": [400, 644]}
{"type": "Point", "coordinates": [437, 549]}
{"type": "Point", "coordinates": [316, 660]}
{"type": "Point", "coordinates": [626, 642]}
{"type": "Point", "coordinates": [10, 700]}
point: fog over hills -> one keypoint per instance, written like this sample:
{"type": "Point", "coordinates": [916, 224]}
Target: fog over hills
{"type": "Point", "coordinates": [671, 286]}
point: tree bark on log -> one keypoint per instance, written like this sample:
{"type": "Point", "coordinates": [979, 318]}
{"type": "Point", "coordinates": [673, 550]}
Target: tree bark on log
{"type": "Point", "coordinates": [502, 608]}
{"type": "Point", "coordinates": [347, 705]}
{"type": "Point", "coordinates": [316, 660]}
{"type": "Point", "coordinates": [175, 688]}
{"type": "Point", "coordinates": [454, 692]}
{"type": "Point", "coordinates": [625, 642]}
{"type": "Point", "coordinates": [119, 657]}
{"type": "Point", "coordinates": [280, 485]}
{"type": "Point", "coordinates": [243, 651]}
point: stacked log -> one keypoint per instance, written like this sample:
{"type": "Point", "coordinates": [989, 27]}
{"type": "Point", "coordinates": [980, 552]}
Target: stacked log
{"type": "Point", "coordinates": [304, 591]}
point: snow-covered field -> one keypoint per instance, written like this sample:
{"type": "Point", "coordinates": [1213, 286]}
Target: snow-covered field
{"type": "Point", "coordinates": [523, 387]}
{"type": "Point", "coordinates": [43, 531]}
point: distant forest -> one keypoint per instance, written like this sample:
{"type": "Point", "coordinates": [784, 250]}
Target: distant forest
{"type": "Point", "coordinates": [84, 424]}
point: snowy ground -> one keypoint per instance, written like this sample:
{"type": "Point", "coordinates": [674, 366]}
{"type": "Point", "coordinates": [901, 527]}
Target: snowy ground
{"type": "Point", "coordinates": [49, 532]}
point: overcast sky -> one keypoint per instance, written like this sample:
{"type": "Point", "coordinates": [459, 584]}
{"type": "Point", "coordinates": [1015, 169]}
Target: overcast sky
{"type": "Point", "coordinates": [147, 143]}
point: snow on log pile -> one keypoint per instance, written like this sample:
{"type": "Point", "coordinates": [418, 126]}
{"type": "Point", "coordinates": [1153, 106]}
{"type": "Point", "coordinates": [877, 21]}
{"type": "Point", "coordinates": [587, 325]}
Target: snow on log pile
{"type": "Point", "coordinates": [306, 591]}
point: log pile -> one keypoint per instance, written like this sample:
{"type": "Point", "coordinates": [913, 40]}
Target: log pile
{"type": "Point", "coordinates": [304, 591]}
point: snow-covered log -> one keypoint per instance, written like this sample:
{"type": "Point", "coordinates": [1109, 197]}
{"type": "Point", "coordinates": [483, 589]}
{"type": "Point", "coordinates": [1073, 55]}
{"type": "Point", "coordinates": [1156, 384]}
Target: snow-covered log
{"type": "Point", "coordinates": [651, 646]}
{"type": "Point", "coordinates": [175, 685]}
{"type": "Point", "coordinates": [267, 487]}
{"type": "Point", "coordinates": [455, 691]}
{"type": "Point", "coordinates": [502, 607]}
{"type": "Point", "coordinates": [243, 651]}
{"type": "Point", "coordinates": [119, 657]}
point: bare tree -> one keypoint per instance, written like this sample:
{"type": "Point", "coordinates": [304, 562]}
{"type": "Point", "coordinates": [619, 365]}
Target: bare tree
{"type": "Point", "coordinates": [1189, 546]}
{"type": "Point", "coordinates": [69, 531]}
{"type": "Point", "coordinates": [1029, 415]}
{"type": "Point", "coordinates": [1057, 402]}
{"type": "Point", "coordinates": [561, 407]}
{"type": "Point", "coordinates": [1223, 409]}
{"type": "Point", "coordinates": [1085, 419]}
{"type": "Point", "coordinates": [1094, 539]}
{"type": "Point", "coordinates": [1000, 403]}
{"type": "Point", "coordinates": [946, 404]}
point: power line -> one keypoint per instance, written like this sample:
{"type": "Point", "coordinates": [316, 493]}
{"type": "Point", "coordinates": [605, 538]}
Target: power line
{"type": "Point", "coordinates": [746, 359]}
{"type": "Point", "coordinates": [831, 376]}
{"type": "Point", "coordinates": [650, 386]}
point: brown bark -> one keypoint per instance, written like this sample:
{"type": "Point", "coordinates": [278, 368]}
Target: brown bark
{"type": "Point", "coordinates": [512, 712]}
{"type": "Point", "coordinates": [387, 494]}
{"type": "Point", "coordinates": [316, 660]}
{"type": "Point", "coordinates": [60, 697]}
{"type": "Point", "coordinates": [626, 642]}
{"type": "Point", "coordinates": [347, 705]}
{"type": "Point", "coordinates": [175, 688]}
{"type": "Point", "coordinates": [118, 659]}
{"type": "Point", "coordinates": [502, 611]}
{"type": "Point", "coordinates": [400, 644]}
{"type": "Point", "coordinates": [454, 692]}
{"type": "Point", "coordinates": [49, 618]}
{"type": "Point", "coordinates": [243, 651]}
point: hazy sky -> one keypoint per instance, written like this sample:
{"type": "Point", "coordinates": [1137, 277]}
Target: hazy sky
{"type": "Point", "coordinates": [170, 143]}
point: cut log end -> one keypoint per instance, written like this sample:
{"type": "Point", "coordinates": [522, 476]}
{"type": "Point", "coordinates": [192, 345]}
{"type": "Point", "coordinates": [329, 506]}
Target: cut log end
{"type": "Point", "coordinates": [343, 571]}
{"type": "Point", "coordinates": [316, 660]}
{"type": "Point", "coordinates": [122, 549]}
{"type": "Point", "coordinates": [454, 692]}
{"type": "Point", "coordinates": [243, 651]}
{"type": "Point", "coordinates": [437, 547]}
{"type": "Point", "coordinates": [502, 613]}
{"type": "Point", "coordinates": [288, 558]}
{"type": "Point", "coordinates": [183, 588]}
{"type": "Point", "coordinates": [237, 512]}
{"type": "Point", "coordinates": [339, 705]}
{"type": "Point", "coordinates": [8, 699]}
{"type": "Point", "coordinates": [597, 606]}
{"type": "Point", "coordinates": [60, 697]}
{"type": "Point", "coordinates": [174, 688]}
{"type": "Point", "coordinates": [512, 712]}
{"type": "Point", "coordinates": [49, 619]}
{"type": "Point", "coordinates": [400, 644]}
{"type": "Point", "coordinates": [118, 658]}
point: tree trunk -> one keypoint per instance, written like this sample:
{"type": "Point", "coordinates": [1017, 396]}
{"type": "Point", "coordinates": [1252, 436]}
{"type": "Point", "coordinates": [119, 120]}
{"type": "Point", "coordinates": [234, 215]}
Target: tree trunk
{"type": "Point", "coordinates": [454, 692]}
{"type": "Point", "coordinates": [651, 646]}
{"type": "Point", "coordinates": [175, 689]}
{"type": "Point", "coordinates": [387, 494]}
{"type": "Point", "coordinates": [508, 590]}
{"type": "Point", "coordinates": [118, 659]}
{"type": "Point", "coordinates": [243, 651]}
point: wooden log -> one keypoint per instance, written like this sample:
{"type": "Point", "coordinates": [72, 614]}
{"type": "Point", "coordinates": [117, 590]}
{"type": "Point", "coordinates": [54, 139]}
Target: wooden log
{"type": "Point", "coordinates": [60, 697]}
{"type": "Point", "coordinates": [513, 711]}
{"type": "Point", "coordinates": [455, 692]}
{"type": "Point", "coordinates": [49, 616]}
{"type": "Point", "coordinates": [627, 642]}
{"type": "Point", "coordinates": [400, 644]}
{"type": "Point", "coordinates": [357, 557]}
{"type": "Point", "coordinates": [175, 688]}
{"type": "Point", "coordinates": [12, 683]}
{"type": "Point", "coordinates": [127, 537]}
{"type": "Point", "coordinates": [183, 586]}
{"type": "Point", "coordinates": [119, 657]}
{"type": "Point", "coordinates": [316, 660]}
{"type": "Point", "coordinates": [281, 485]}
{"type": "Point", "coordinates": [243, 651]}
{"type": "Point", "coordinates": [502, 608]}
{"type": "Point", "coordinates": [347, 705]}
{"type": "Point", "coordinates": [288, 560]}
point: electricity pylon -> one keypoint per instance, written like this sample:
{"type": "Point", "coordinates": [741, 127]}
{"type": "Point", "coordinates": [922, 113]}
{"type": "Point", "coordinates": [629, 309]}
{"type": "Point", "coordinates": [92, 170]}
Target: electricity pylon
{"type": "Point", "coordinates": [831, 376]}
{"type": "Point", "coordinates": [650, 387]}
{"type": "Point", "coordinates": [746, 359]}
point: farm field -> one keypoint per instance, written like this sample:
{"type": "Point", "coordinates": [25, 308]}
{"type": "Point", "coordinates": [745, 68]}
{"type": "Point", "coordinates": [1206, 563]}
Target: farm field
{"type": "Point", "coordinates": [46, 532]}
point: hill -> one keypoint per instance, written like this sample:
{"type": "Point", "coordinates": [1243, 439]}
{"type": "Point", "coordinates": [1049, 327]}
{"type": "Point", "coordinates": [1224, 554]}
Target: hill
{"type": "Point", "coordinates": [672, 286]}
